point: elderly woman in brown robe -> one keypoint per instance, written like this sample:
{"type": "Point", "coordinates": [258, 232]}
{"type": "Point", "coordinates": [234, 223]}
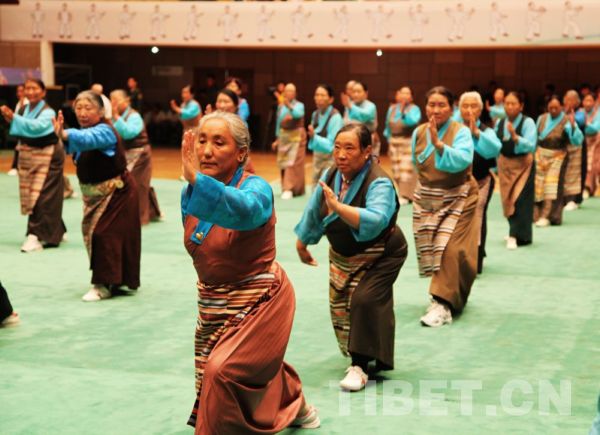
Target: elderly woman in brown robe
{"type": "Point", "coordinates": [245, 299]}
{"type": "Point", "coordinates": [138, 153]}
{"type": "Point", "coordinates": [290, 143]}
{"type": "Point", "coordinates": [516, 170]}
{"type": "Point", "coordinates": [40, 168]}
{"type": "Point", "coordinates": [355, 205]}
{"type": "Point", "coordinates": [557, 131]}
{"type": "Point", "coordinates": [111, 219]}
{"type": "Point", "coordinates": [445, 208]}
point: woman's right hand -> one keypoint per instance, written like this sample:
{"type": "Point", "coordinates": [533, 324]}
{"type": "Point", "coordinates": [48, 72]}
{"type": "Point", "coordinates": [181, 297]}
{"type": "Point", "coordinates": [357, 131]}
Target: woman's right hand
{"type": "Point", "coordinates": [304, 254]}
{"type": "Point", "coordinates": [59, 125]}
{"type": "Point", "coordinates": [274, 145]}
{"type": "Point", "coordinates": [189, 160]}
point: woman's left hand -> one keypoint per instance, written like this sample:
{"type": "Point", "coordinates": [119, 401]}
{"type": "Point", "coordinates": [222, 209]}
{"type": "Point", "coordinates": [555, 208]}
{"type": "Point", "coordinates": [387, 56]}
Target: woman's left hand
{"type": "Point", "coordinates": [331, 198]}
{"type": "Point", "coordinates": [433, 132]}
{"type": "Point", "coordinates": [189, 159]}
{"type": "Point", "coordinates": [7, 113]}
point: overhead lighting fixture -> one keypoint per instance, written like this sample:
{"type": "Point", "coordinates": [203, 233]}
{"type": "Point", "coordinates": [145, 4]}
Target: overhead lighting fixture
{"type": "Point", "coordinates": [154, 50]}
{"type": "Point", "coordinates": [379, 53]}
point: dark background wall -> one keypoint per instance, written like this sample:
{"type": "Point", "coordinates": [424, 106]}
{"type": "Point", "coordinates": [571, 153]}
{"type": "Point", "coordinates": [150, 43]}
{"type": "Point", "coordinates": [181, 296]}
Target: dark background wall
{"type": "Point", "coordinates": [458, 69]}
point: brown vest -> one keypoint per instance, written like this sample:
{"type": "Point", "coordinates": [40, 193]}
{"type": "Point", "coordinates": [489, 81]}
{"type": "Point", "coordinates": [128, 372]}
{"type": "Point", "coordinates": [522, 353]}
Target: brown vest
{"type": "Point", "coordinates": [428, 174]}
{"type": "Point", "coordinates": [95, 167]}
{"type": "Point", "coordinates": [228, 256]}
{"type": "Point", "coordinates": [557, 139]}
{"type": "Point", "coordinates": [398, 128]}
{"type": "Point", "coordinates": [290, 124]}
{"type": "Point", "coordinates": [140, 140]}
{"type": "Point", "coordinates": [339, 232]}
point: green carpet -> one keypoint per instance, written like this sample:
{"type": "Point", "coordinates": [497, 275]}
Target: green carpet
{"type": "Point", "coordinates": [125, 366]}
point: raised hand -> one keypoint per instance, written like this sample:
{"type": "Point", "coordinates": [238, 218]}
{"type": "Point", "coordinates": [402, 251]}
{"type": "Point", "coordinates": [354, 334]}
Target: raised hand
{"type": "Point", "coordinates": [310, 130]}
{"type": "Point", "coordinates": [473, 127]}
{"type": "Point", "coordinates": [7, 113]}
{"type": "Point", "coordinates": [304, 254]}
{"type": "Point", "coordinates": [511, 130]}
{"type": "Point", "coordinates": [345, 99]}
{"type": "Point", "coordinates": [208, 109]}
{"type": "Point", "coordinates": [331, 199]}
{"type": "Point", "coordinates": [189, 159]}
{"type": "Point", "coordinates": [571, 117]}
{"type": "Point", "coordinates": [59, 125]}
{"type": "Point", "coordinates": [174, 106]}
{"type": "Point", "coordinates": [433, 132]}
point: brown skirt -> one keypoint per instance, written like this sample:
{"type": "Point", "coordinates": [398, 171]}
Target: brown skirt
{"type": "Point", "coordinates": [41, 188]}
{"type": "Point", "coordinates": [247, 387]}
{"type": "Point", "coordinates": [402, 166]}
{"type": "Point", "coordinates": [290, 159]}
{"type": "Point", "coordinates": [458, 268]}
{"type": "Point", "coordinates": [139, 163]}
{"type": "Point", "coordinates": [361, 299]}
{"type": "Point", "coordinates": [116, 239]}
{"type": "Point", "coordinates": [513, 174]}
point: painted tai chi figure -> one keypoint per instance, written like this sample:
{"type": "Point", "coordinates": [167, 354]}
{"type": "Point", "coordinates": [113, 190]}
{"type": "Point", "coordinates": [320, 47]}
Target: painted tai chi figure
{"type": "Point", "coordinates": [125, 18]}
{"type": "Point", "coordinates": [37, 18]}
{"type": "Point", "coordinates": [157, 21]}
{"type": "Point", "coordinates": [192, 24]}
{"type": "Point", "coordinates": [459, 17]}
{"type": "Point", "coordinates": [419, 20]}
{"type": "Point", "coordinates": [65, 17]}
{"type": "Point", "coordinates": [379, 19]}
{"type": "Point", "coordinates": [571, 13]}
{"type": "Point", "coordinates": [498, 27]}
{"type": "Point", "coordinates": [341, 16]}
{"type": "Point", "coordinates": [93, 21]}
{"type": "Point", "coordinates": [229, 23]}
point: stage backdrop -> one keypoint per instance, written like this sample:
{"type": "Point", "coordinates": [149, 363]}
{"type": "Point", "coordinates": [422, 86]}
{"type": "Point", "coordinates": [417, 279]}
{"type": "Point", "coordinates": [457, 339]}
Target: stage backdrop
{"type": "Point", "coordinates": [393, 24]}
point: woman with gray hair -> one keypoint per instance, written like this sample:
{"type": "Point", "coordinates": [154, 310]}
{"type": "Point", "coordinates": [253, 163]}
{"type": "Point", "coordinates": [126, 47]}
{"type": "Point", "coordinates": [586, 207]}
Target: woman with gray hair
{"type": "Point", "coordinates": [576, 169]}
{"type": "Point", "coordinates": [138, 154]}
{"type": "Point", "coordinates": [487, 147]}
{"type": "Point", "coordinates": [111, 221]}
{"type": "Point", "coordinates": [245, 300]}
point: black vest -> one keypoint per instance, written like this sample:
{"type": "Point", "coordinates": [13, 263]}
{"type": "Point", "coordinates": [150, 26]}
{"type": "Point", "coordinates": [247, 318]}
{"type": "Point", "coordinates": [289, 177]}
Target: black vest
{"type": "Point", "coordinates": [315, 122]}
{"type": "Point", "coordinates": [38, 142]}
{"type": "Point", "coordinates": [140, 140]}
{"type": "Point", "coordinates": [339, 232]}
{"type": "Point", "coordinates": [482, 166]}
{"type": "Point", "coordinates": [508, 146]}
{"type": "Point", "coordinates": [95, 167]}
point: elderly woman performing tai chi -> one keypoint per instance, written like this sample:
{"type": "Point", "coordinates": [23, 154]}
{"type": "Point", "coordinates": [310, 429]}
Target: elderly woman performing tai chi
{"type": "Point", "coordinates": [245, 299]}
{"type": "Point", "coordinates": [355, 205]}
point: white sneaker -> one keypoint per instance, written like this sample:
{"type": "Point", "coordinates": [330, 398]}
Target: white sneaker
{"type": "Point", "coordinates": [355, 379]}
{"type": "Point", "coordinates": [287, 194]}
{"type": "Point", "coordinates": [65, 238]}
{"type": "Point", "coordinates": [403, 201]}
{"type": "Point", "coordinates": [437, 315]}
{"type": "Point", "coordinates": [585, 194]}
{"type": "Point", "coordinates": [13, 172]}
{"type": "Point", "coordinates": [571, 205]}
{"type": "Point", "coordinates": [511, 243]}
{"type": "Point", "coordinates": [74, 195]}
{"type": "Point", "coordinates": [11, 320]}
{"type": "Point", "coordinates": [96, 293]}
{"type": "Point", "coordinates": [310, 421]}
{"type": "Point", "coordinates": [542, 222]}
{"type": "Point", "coordinates": [32, 243]}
